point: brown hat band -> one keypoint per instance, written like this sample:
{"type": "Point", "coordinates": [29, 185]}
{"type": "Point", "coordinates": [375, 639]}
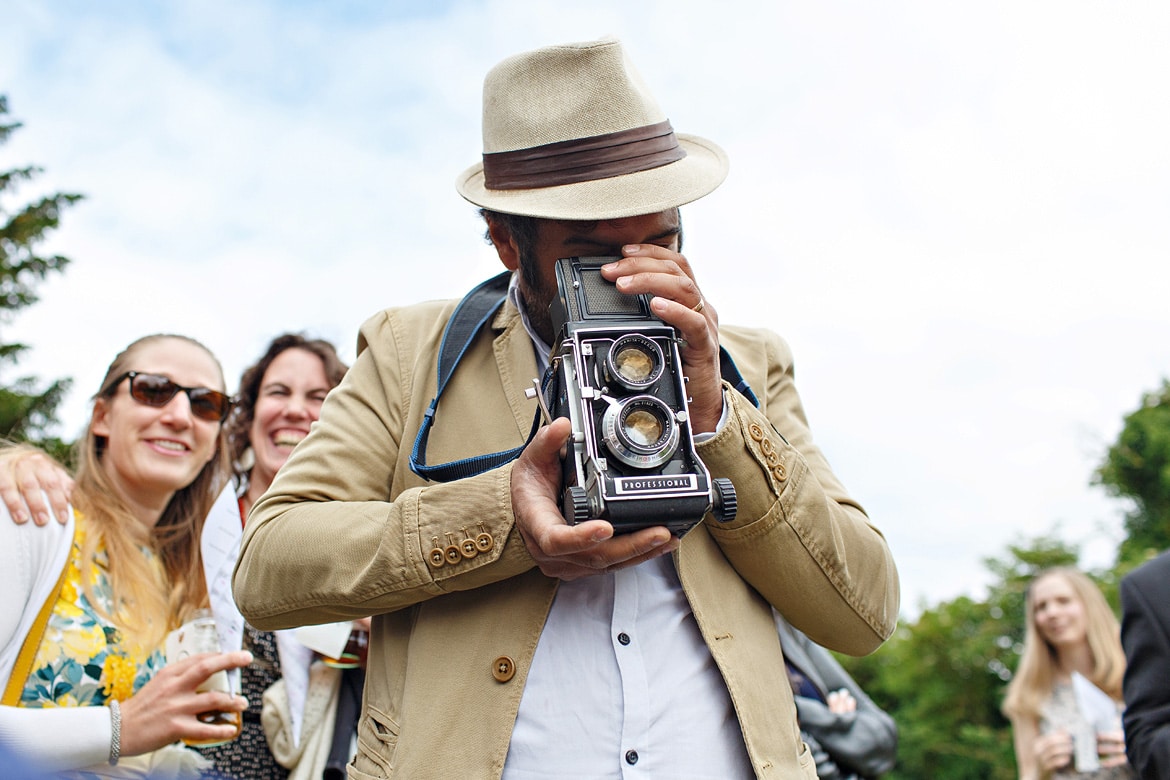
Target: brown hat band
{"type": "Point", "coordinates": [583, 159]}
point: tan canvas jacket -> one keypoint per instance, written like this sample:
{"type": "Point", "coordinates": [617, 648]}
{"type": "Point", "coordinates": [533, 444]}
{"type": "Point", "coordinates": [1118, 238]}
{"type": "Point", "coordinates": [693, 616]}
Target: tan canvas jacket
{"type": "Point", "coordinates": [347, 530]}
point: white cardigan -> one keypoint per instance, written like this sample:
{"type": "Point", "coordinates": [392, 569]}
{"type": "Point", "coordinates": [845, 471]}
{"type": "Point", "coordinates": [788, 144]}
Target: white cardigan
{"type": "Point", "coordinates": [31, 560]}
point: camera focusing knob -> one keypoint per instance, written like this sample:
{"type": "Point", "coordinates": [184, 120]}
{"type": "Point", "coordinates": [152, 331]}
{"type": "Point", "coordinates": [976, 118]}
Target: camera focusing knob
{"type": "Point", "coordinates": [576, 505]}
{"type": "Point", "coordinates": [725, 505]}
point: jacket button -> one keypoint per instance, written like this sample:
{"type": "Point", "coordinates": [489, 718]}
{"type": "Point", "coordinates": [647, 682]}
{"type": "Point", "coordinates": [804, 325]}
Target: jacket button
{"type": "Point", "coordinates": [503, 669]}
{"type": "Point", "coordinates": [485, 542]}
{"type": "Point", "coordinates": [756, 432]}
{"type": "Point", "coordinates": [468, 548]}
{"type": "Point", "coordinates": [436, 558]}
{"type": "Point", "coordinates": [779, 472]}
{"type": "Point", "coordinates": [453, 555]}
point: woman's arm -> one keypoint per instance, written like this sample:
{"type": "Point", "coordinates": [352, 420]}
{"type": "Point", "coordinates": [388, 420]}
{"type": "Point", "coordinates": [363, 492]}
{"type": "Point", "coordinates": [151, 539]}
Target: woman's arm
{"type": "Point", "coordinates": [162, 712]}
{"type": "Point", "coordinates": [1024, 733]}
{"type": "Point", "coordinates": [1039, 755]}
{"type": "Point", "coordinates": [37, 735]}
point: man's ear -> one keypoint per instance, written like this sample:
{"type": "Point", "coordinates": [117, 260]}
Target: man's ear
{"type": "Point", "coordinates": [506, 246]}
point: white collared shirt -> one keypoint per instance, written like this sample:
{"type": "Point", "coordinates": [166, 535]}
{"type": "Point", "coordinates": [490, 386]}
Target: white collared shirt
{"type": "Point", "coordinates": [622, 684]}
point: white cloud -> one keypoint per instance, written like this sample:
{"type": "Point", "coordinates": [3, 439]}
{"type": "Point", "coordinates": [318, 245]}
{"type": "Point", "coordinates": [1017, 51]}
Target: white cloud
{"type": "Point", "coordinates": [958, 211]}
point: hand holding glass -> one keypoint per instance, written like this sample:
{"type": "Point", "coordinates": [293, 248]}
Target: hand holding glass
{"type": "Point", "coordinates": [199, 635]}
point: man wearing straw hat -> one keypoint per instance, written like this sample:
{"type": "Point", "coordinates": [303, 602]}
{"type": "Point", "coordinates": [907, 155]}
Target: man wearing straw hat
{"type": "Point", "coordinates": [505, 642]}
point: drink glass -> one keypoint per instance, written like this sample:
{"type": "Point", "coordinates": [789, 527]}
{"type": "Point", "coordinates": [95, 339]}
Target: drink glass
{"type": "Point", "coordinates": [199, 635]}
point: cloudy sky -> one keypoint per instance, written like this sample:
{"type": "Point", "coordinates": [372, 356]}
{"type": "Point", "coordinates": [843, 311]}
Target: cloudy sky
{"type": "Point", "coordinates": [958, 211]}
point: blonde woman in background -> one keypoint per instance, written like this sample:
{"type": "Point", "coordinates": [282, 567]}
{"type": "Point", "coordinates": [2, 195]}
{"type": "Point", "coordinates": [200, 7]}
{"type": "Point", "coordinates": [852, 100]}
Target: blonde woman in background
{"type": "Point", "coordinates": [1069, 631]}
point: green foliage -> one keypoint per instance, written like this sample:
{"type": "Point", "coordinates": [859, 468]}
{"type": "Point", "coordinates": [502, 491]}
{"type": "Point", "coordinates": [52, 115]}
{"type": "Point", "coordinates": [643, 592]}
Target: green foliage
{"type": "Point", "coordinates": [1137, 467]}
{"type": "Point", "coordinates": [943, 676]}
{"type": "Point", "coordinates": [26, 412]}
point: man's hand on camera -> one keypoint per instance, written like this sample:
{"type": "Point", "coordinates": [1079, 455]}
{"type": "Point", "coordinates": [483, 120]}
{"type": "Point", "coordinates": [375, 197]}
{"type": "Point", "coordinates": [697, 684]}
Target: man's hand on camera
{"type": "Point", "coordinates": [569, 552]}
{"type": "Point", "coordinates": [678, 301]}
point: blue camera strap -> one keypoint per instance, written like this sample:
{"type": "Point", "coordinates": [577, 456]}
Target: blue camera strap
{"type": "Point", "coordinates": [471, 315]}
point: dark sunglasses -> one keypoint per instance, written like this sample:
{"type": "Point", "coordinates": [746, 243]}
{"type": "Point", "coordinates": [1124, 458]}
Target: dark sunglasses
{"type": "Point", "coordinates": [155, 390]}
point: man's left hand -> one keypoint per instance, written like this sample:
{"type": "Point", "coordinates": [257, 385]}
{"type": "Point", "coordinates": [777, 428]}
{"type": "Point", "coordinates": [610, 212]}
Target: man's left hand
{"type": "Point", "coordinates": [678, 301]}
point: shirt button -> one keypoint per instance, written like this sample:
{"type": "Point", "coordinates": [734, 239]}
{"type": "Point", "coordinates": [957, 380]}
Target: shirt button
{"type": "Point", "coordinates": [631, 757]}
{"type": "Point", "coordinates": [624, 638]}
{"type": "Point", "coordinates": [503, 669]}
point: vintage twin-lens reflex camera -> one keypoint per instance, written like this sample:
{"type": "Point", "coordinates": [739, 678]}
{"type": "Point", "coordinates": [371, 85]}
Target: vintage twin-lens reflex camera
{"type": "Point", "coordinates": [617, 375]}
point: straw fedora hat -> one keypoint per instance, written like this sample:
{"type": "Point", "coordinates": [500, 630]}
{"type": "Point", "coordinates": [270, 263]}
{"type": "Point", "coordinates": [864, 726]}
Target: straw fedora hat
{"type": "Point", "coordinates": [571, 132]}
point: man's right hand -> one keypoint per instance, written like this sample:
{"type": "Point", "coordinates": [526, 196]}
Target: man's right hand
{"type": "Point", "coordinates": [564, 551]}
{"type": "Point", "coordinates": [27, 476]}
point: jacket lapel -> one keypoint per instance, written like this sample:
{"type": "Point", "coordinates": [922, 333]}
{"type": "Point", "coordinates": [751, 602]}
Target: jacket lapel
{"type": "Point", "coordinates": [516, 362]}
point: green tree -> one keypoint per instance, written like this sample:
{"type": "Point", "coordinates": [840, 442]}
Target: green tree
{"type": "Point", "coordinates": [27, 412]}
{"type": "Point", "coordinates": [1137, 467]}
{"type": "Point", "coordinates": [943, 676]}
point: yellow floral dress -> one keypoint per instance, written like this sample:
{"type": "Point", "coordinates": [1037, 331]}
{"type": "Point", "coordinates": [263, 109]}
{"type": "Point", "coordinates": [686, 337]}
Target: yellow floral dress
{"type": "Point", "coordinates": [83, 659]}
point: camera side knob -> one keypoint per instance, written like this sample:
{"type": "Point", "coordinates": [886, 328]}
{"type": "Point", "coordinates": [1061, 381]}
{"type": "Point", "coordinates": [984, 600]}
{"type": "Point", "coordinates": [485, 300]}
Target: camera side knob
{"type": "Point", "coordinates": [725, 506]}
{"type": "Point", "coordinates": [575, 505]}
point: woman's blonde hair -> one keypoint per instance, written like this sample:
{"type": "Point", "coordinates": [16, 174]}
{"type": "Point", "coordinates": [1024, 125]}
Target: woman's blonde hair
{"type": "Point", "coordinates": [146, 607]}
{"type": "Point", "coordinates": [1034, 678]}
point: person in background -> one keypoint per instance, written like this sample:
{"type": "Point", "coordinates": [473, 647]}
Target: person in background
{"type": "Point", "coordinates": [506, 642]}
{"type": "Point", "coordinates": [278, 400]}
{"type": "Point", "coordinates": [1069, 633]}
{"type": "Point", "coordinates": [88, 603]}
{"type": "Point", "coordinates": [1145, 635]}
{"type": "Point", "coordinates": [850, 736]}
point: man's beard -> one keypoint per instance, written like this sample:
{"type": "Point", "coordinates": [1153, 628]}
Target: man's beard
{"type": "Point", "coordinates": [537, 296]}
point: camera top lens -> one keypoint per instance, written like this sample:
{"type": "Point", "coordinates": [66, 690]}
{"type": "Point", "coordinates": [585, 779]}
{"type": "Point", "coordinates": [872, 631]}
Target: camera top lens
{"type": "Point", "coordinates": [634, 361]}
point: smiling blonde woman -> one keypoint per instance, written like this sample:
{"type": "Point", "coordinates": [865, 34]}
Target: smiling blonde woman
{"type": "Point", "coordinates": [1069, 632]}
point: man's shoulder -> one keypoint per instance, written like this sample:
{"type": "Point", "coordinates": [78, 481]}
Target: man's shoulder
{"type": "Point", "coordinates": [748, 343]}
{"type": "Point", "coordinates": [398, 326]}
{"type": "Point", "coordinates": [420, 313]}
{"type": "Point", "coordinates": [1153, 574]}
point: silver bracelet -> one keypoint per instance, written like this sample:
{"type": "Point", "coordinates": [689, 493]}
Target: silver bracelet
{"type": "Point", "coordinates": [115, 732]}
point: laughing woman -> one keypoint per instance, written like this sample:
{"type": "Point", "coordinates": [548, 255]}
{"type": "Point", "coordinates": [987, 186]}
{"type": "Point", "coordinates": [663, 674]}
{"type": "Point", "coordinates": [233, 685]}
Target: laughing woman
{"type": "Point", "coordinates": [87, 604]}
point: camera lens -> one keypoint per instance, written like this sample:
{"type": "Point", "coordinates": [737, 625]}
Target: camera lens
{"type": "Point", "coordinates": [642, 427]}
{"type": "Point", "coordinates": [634, 361]}
{"type": "Point", "coordinates": [640, 431]}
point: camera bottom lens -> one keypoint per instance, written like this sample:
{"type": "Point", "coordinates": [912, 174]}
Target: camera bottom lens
{"type": "Point", "coordinates": [640, 431]}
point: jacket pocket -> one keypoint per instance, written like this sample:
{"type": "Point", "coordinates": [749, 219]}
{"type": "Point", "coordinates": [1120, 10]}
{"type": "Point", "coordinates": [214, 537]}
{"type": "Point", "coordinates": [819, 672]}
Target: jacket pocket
{"type": "Point", "coordinates": [377, 740]}
{"type": "Point", "coordinates": [808, 762]}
